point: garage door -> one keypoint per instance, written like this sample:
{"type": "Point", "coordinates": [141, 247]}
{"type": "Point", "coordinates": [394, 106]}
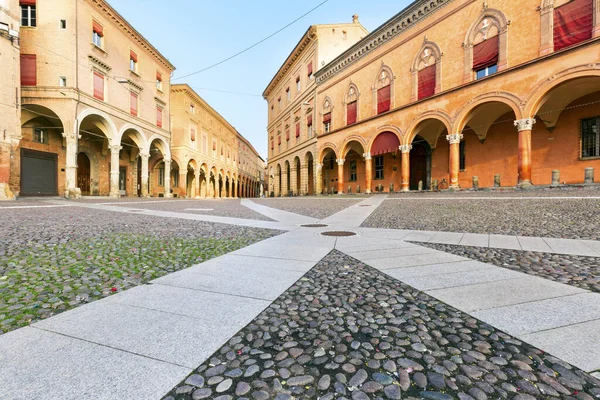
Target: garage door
{"type": "Point", "coordinates": [38, 173]}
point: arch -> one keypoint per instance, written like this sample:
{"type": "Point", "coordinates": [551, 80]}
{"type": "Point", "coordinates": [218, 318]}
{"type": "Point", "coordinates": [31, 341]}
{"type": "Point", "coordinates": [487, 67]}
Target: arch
{"type": "Point", "coordinates": [139, 138]}
{"type": "Point", "coordinates": [351, 104]}
{"type": "Point", "coordinates": [324, 148]}
{"type": "Point", "coordinates": [384, 142]}
{"type": "Point", "coordinates": [463, 116]}
{"type": "Point", "coordinates": [112, 130]}
{"type": "Point", "coordinates": [384, 128]}
{"type": "Point", "coordinates": [413, 129]}
{"type": "Point", "coordinates": [428, 55]}
{"type": "Point", "coordinates": [191, 162]}
{"type": "Point", "coordinates": [33, 111]}
{"type": "Point", "coordinates": [385, 78]}
{"type": "Point", "coordinates": [163, 145]}
{"type": "Point", "coordinates": [347, 146]}
{"type": "Point", "coordinates": [352, 94]}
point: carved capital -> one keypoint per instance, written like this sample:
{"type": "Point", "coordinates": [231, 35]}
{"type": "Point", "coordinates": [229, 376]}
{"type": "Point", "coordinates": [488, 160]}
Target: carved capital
{"type": "Point", "coordinates": [525, 124]}
{"type": "Point", "coordinates": [319, 167]}
{"type": "Point", "coordinates": [367, 156]}
{"type": "Point", "coordinates": [455, 138]}
{"type": "Point", "coordinates": [405, 148]}
{"type": "Point", "coordinates": [71, 135]}
{"type": "Point", "coordinates": [167, 161]}
{"type": "Point", "coordinates": [145, 156]}
{"type": "Point", "coordinates": [115, 148]}
{"type": "Point", "coordinates": [340, 161]}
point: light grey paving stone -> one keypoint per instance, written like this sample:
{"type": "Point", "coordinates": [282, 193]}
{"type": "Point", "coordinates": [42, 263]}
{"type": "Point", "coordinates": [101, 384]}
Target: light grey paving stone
{"type": "Point", "coordinates": [461, 279]}
{"type": "Point", "coordinates": [395, 234]}
{"type": "Point", "coordinates": [596, 375]}
{"type": "Point", "coordinates": [387, 252]}
{"type": "Point", "coordinates": [484, 296]}
{"type": "Point", "coordinates": [570, 246]}
{"type": "Point", "coordinates": [364, 243]}
{"type": "Point", "coordinates": [592, 244]}
{"type": "Point", "coordinates": [447, 238]}
{"type": "Point", "coordinates": [356, 214]}
{"type": "Point", "coordinates": [504, 242]}
{"type": "Point", "coordinates": [419, 236]}
{"type": "Point", "coordinates": [276, 214]}
{"type": "Point", "coordinates": [412, 261]}
{"type": "Point", "coordinates": [541, 315]}
{"type": "Point", "coordinates": [533, 244]}
{"type": "Point", "coordinates": [172, 338]}
{"type": "Point", "coordinates": [577, 344]}
{"type": "Point", "coordinates": [243, 264]}
{"type": "Point", "coordinates": [206, 306]}
{"type": "Point", "coordinates": [290, 250]}
{"type": "Point", "coordinates": [437, 269]}
{"type": "Point", "coordinates": [475, 240]}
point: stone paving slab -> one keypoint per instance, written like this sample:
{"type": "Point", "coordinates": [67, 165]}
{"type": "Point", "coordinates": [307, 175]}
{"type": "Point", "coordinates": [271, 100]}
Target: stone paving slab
{"type": "Point", "coordinates": [41, 365]}
{"type": "Point", "coordinates": [411, 261]}
{"type": "Point", "coordinates": [484, 296]}
{"type": "Point", "coordinates": [580, 342]}
{"type": "Point", "coordinates": [533, 244]}
{"type": "Point", "coordinates": [458, 279]}
{"type": "Point", "coordinates": [504, 242]}
{"type": "Point", "coordinates": [278, 215]}
{"type": "Point", "coordinates": [570, 246]}
{"type": "Point", "coordinates": [288, 251]}
{"type": "Point", "coordinates": [356, 214]}
{"type": "Point", "coordinates": [364, 243]}
{"type": "Point", "coordinates": [171, 338]}
{"type": "Point", "coordinates": [520, 319]}
{"type": "Point", "coordinates": [437, 269]}
{"type": "Point", "coordinates": [475, 239]}
{"type": "Point", "coordinates": [245, 264]}
{"type": "Point", "coordinates": [447, 238]}
{"type": "Point", "coordinates": [387, 253]}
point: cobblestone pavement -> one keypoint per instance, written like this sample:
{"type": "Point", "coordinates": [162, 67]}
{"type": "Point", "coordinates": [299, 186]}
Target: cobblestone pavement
{"type": "Point", "coordinates": [54, 259]}
{"type": "Point", "coordinates": [224, 208]}
{"type": "Point", "coordinates": [557, 218]}
{"type": "Point", "coordinates": [345, 331]}
{"type": "Point", "coordinates": [579, 271]}
{"type": "Point", "coordinates": [592, 191]}
{"type": "Point", "coordinates": [316, 207]}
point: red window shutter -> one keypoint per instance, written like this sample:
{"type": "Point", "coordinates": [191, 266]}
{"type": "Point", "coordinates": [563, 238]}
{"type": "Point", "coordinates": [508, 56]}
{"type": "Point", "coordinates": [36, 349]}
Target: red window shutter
{"type": "Point", "coordinates": [309, 120]}
{"type": "Point", "coordinates": [287, 135]}
{"type": "Point", "coordinates": [351, 113]}
{"type": "Point", "coordinates": [193, 135]}
{"type": "Point", "coordinates": [327, 118]}
{"type": "Point", "coordinates": [159, 117]}
{"type": "Point", "coordinates": [133, 56]}
{"type": "Point", "coordinates": [159, 76]}
{"type": "Point", "coordinates": [298, 129]}
{"type": "Point", "coordinates": [310, 68]}
{"type": "Point", "coordinates": [297, 79]}
{"type": "Point", "coordinates": [573, 23]}
{"type": "Point", "coordinates": [272, 144]}
{"type": "Point", "coordinates": [28, 70]}
{"type": "Point", "coordinates": [383, 99]}
{"type": "Point", "coordinates": [98, 86]}
{"type": "Point", "coordinates": [278, 139]}
{"type": "Point", "coordinates": [27, 2]}
{"type": "Point", "coordinates": [485, 54]}
{"type": "Point", "coordinates": [98, 28]}
{"type": "Point", "coordinates": [427, 82]}
{"type": "Point", "coordinates": [134, 104]}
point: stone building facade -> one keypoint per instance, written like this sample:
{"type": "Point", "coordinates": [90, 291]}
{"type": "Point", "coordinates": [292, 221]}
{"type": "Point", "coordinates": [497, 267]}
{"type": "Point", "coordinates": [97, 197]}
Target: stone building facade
{"type": "Point", "coordinates": [292, 110]}
{"type": "Point", "coordinates": [212, 158]}
{"type": "Point", "coordinates": [511, 95]}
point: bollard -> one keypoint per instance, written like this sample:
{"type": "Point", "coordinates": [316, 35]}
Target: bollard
{"type": "Point", "coordinates": [476, 182]}
{"type": "Point", "coordinates": [434, 187]}
{"type": "Point", "coordinates": [497, 180]}
{"type": "Point", "coordinates": [420, 186]}
{"type": "Point", "coordinates": [392, 187]}
{"type": "Point", "coordinates": [589, 176]}
{"type": "Point", "coordinates": [357, 189]}
{"type": "Point", "coordinates": [380, 188]}
{"type": "Point", "coordinates": [349, 189]}
{"type": "Point", "coordinates": [555, 178]}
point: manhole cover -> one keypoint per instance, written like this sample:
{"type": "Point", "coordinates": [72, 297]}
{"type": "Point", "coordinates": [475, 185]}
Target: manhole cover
{"type": "Point", "coordinates": [314, 226]}
{"type": "Point", "coordinates": [338, 233]}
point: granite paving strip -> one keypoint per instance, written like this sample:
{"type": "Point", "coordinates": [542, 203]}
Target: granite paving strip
{"type": "Point", "coordinates": [278, 215]}
{"type": "Point", "coordinates": [355, 215]}
{"type": "Point", "coordinates": [319, 208]}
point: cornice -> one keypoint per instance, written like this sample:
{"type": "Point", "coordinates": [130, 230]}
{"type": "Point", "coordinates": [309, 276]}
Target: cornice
{"type": "Point", "coordinates": [99, 63]}
{"type": "Point", "coordinates": [400, 23]}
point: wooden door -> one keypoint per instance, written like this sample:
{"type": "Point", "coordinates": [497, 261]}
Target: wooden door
{"type": "Point", "coordinates": [83, 173]}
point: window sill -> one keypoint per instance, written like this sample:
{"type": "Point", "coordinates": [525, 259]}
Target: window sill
{"type": "Point", "coordinates": [134, 73]}
{"type": "Point", "coordinates": [95, 46]}
{"type": "Point", "coordinates": [589, 158]}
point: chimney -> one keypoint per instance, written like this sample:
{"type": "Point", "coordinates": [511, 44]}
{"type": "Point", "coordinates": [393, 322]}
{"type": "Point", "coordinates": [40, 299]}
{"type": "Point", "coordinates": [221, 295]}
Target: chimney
{"type": "Point", "coordinates": [355, 19]}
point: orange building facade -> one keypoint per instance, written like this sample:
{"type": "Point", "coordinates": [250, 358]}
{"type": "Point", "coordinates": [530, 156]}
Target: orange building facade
{"type": "Point", "coordinates": [511, 97]}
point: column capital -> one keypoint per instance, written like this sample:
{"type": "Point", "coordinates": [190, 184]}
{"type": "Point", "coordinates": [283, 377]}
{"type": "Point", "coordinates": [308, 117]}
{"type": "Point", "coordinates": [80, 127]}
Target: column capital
{"type": "Point", "coordinates": [167, 160]}
{"type": "Point", "coordinates": [70, 135]}
{"type": "Point", "coordinates": [115, 148]}
{"type": "Point", "coordinates": [145, 155]}
{"type": "Point", "coordinates": [367, 156]}
{"type": "Point", "coordinates": [340, 161]}
{"type": "Point", "coordinates": [405, 148]}
{"type": "Point", "coordinates": [319, 166]}
{"type": "Point", "coordinates": [525, 124]}
{"type": "Point", "coordinates": [455, 138]}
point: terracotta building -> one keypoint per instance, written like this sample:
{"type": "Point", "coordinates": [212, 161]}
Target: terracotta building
{"type": "Point", "coordinates": [10, 110]}
{"type": "Point", "coordinates": [510, 96]}
{"type": "Point", "coordinates": [292, 112]}
{"type": "Point", "coordinates": [95, 104]}
{"type": "Point", "coordinates": [212, 158]}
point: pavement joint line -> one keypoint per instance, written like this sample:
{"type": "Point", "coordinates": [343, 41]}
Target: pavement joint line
{"type": "Point", "coordinates": [52, 206]}
{"type": "Point", "coordinates": [112, 347]}
{"type": "Point", "coordinates": [472, 284]}
{"type": "Point", "coordinates": [409, 255]}
{"type": "Point", "coordinates": [559, 327]}
{"type": "Point", "coordinates": [516, 304]}
{"type": "Point", "coordinates": [215, 292]}
{"type": "Point", "coordinates": [416, 265]}
{"type": "Point", "coordinates": [444, 273]}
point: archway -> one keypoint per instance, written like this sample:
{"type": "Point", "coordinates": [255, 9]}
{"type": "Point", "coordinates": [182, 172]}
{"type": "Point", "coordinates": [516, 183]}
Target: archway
{"type": "Point", "coordinates": [83, 173]}
{"type": "Point", "coordinates": [159, 182]}
{"type": "Point", "coordinates": [385, 162]}
{"type": "Point", "coordinates": [108, 163]}
{"type": "Point", "coordinates": [329, 174]}
{"type": "Point", "coordinates": [427, 134]}
{"type": "Point", "coordinates": [420, 164]}
{"type": "Point", "coordinates": [192, 186]}
{"type": "Point", "coordinates": [310, 184]}
{"type": "Point", "coordinates": [355, 174]}
{"type": "Point", "coordinates": [278, 181]}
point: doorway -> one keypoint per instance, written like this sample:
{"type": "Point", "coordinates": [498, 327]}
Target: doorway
{"type": "Point", "coordinates": [420, 164]}
{"type": "Point", "coordinates": [123, 181]}
{"type": "Point", "coordinates": [83, 174]}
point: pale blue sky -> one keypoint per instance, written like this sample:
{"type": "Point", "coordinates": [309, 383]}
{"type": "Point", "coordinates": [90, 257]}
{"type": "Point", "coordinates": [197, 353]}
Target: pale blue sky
{"type": "Point", "coordinates": [194, 34]}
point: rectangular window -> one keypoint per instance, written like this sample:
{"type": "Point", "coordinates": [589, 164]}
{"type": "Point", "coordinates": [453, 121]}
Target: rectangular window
{"type": "Point", "coordinates": [573, 23]}
{"type": "Point", "coordinates": [279, 103]}
{"type": "Point", "coordinates": [288, 94]}
{"type": "Point", "coordinates": [351, 113]}
{"type": "Point", "coordinates": [192, 109]}
{"type": "Point", "coordinates": [298, 129]}
{"type": "Point", "coordinates": [134, 104]}
{"type": "Point", "coordinates": [193, 134]}
{"type": "Point", "coordinates": [463, 159]}
{"type": "Point", "coordinates": [379, 167]}
{"type": "Point", "coordinates": [176, 180]}
{"type": "Point", "coordinates": [298, 84]}
{"type": "Point", "coordinates": [62, 81]}
{"type": "Point", "coordinates": [486, 54]}
{"type": "Point", "coordinates": [28, 13]}
{"type": "Point", "coordinates": [63, 24]}
{"type": "Point", "coordinates": [352, 171]}
{"type": "Point", "coordinates": [159, 116]}
{"type": "Point", "coordinates": [161, 176]}
{"type": "Point", "coordinates": [39, 136]}
{"type": "Point", "coordinates": [327, 123]}
{"type": "Point", "coordinates": [133, 61]}
{"type": "Point", "coordinates": [427, 78]}
{"type": "Point", "coordinates": [98, 85]}
{"type": "Point", "coordinates": [28, 70]}
{"type": "Point", "coordinates": [159, 79]}
{"type": "Point", "coordinates": [205, 144]}
{"type": "Point", "coordinates": [310, 70]}
{"type": "Point", "coordinates": [487, 71]}
{"type": "Point", "coordinates": [97, 34]}
{"type": "Point", "coordinates": [590, 137]}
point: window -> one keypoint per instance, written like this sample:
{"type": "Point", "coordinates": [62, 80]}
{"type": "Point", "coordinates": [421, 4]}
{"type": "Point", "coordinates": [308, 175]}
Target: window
{"type": "Point", "coordinates": [159, 116]}
{"type": "Point", "coordinates": [62, 24]}
{"type": "Point", "coordinates": [176, 180]}
{"type": "Point", "coordinates": [351, 113]}
{"type": "Point", "coordinates": [487, 71]}
{"type": "Point", "coordinates": [133, 61]}
{"type": "Point", "coordinates": [192, 109]}
{"type": "Point", "coordinates": [28, 70]}
{"type": "Point", "coordinates": [62, 81]}
{"type": "Point", "coordinates": [327, 123]}
{"type": "Point", "coordinates": [485, 57]}
{"type": "Point", "coordinates": [204, 144]}
{"type": "Point", "coordinates": [590, 137]}
{"type": "Point", "coordinates": [352, 171]}
{"type": "Point", "coordinates": [298, 130]}
{"type": "Point", "coordinates": [28, 13]}
{"type": "Point", "coordinates": [427, 77]}
{"type": "Point", "coordinates": [344, 35]}
{"type": "Point", "coordinates": [310, 70]}
{"type": "Point", "coordinates": [287, 135]}
{"type": "Point", "coordinates": [288, 94]}
{"type": "Point", "coordinates": [573, 23]}
{"type": "Point", "coordinates": [379, 167]}
{"type": "Point", "coordinates": [279, 103]}
{"type": "Point", "coordinates": [40, 136]}
{"type": "Point", "coordinates": [384, 85]}
{"type": "Point", "coordinates": [309, 122]}
{"type": "Point", "coordinates": [133, 104]}
{"type": "Point", "coordinates": [97, 34]}
{"type": "Point", "coordinates": [298, 84]}
{"type": "Point", "coordinates": [463, 160]}
{"type": "Point", "coordinates": [159, 84]}
{"type": "Point", "coordinates": [98, 85]}
{"type": "Point", "coordinates": [161, 176]}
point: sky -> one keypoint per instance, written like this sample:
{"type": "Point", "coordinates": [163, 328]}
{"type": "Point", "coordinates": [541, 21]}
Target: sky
{"type": "Point", "coordinates": [194, 34]}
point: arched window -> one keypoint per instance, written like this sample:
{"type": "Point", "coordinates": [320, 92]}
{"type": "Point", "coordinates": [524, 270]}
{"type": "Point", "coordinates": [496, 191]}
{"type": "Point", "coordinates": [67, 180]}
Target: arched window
{"type": "Point", "coordinates": [427, 71]}
{"type": "Point", "coordinates": [485, 46]}
{"type": "Point", "coordinates": [327, 108]}
{"type": "Point", "coordinates": [568, 24]}
{"type": "Point", "coordinates": [351, 105]}
{"type": "Point", "coordinates": [384, 90]}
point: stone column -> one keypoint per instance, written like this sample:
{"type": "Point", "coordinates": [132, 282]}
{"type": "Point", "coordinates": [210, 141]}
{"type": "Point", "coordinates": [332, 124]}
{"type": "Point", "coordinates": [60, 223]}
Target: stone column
{"type": "Point", "coordinates": [231, 192]}
{"type": "Point", "coordinates": [183, 183]}
{"type": "Point", "coordinates": [167, 178]}
{"type": "Point", "coordinates": [198, 184]}
{"type": "Point", "coordinates": [71, 165]}
{"type": "Point", "coordinates": [293, 182]}
{"type": "Point", "coordinates": [405, 149]}
{"type": "Point", "coordinates": [525, 126]}
{"type": "Point", "coordinates": [318, 178]}
{"type": "Point", "coordinates": [145, 158]}
{"type": "Point", "coordinates": [285, 187]}
{"type": "Point", "coordinates": [276, 188]}
{"type": "Point", "coordinates": [114, 170]}
{"type": "Point", "coordinates": [304, 180]}
{"type": "Point", "coordinates": [454, 141]}
{"type": "Point", "coordinates": [368, 173]}
{"type": "Point", "coordinates": [340, 185]}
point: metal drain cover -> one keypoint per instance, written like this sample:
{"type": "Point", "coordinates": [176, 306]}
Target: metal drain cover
{"type": "Point", "coordinates": [338, 233]}
{"type": "Point", "coordinates": [314, 226]}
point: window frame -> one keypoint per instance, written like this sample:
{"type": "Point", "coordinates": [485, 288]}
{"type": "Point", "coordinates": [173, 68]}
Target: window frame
{"type": "Point", "coordinates": [42, 134]}
{"type": "Point", "coordinates": [353, 171]}
{"type": "Point", "coordinates": [62, 81]}
{"type": "Point", "coordinates": [486, 72]}
{"type": "Point", "coordinates": [97, 39]}
{"type": "Point", "coordinates": [161, 176]}
{"type": "Point", "coordinates": [462, 159]}
{"type": "Point", "coordinates": [379, 169]}
{"type": "Point", "coordinates": [596, 122]}
{"type": "Point", "coordinates": [30, 21]}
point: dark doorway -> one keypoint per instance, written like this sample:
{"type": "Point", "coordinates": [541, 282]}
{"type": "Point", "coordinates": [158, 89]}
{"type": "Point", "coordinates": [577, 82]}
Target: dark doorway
{"type": "Point", "coordinates": [39, 174]}
{"type": "Point", "coordinates": [420, 164]}
{"type": "Point", "coordinates": [83, 174]}
{"type": "Point", "coordinates": [122, 181]}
